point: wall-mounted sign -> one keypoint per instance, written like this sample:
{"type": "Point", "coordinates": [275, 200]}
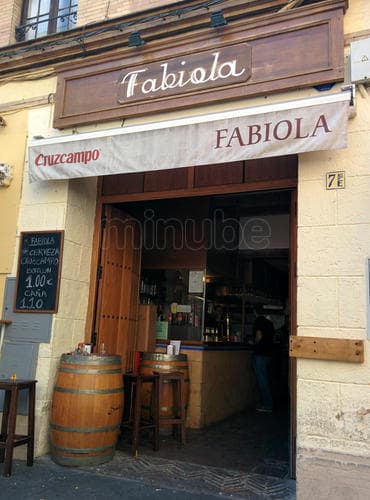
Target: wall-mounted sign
{"type": "Point", "coordinates": [196, 281]}
{"type": "Point", "coordinates": [38, 275]}
{"type": "Point", "coordinates": [335, 180]}
{"type": "Point", "coordinates": [187, 71]}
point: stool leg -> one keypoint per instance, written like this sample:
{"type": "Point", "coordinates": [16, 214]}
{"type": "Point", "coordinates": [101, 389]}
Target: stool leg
{"type": "Point", "coordinates": [179, 409]}
{"type": "Point", "coordinates": [156, 412]}
{"type": "Point", "coordinates": [137, 417]}
{"type": "Point", "coordinates": [9, 443]}
{"type": "Point", "coordinates": [129, 391]}
{"type": "Point", "coordinates": [175, 386]}
{"type": "Point", "coordinates": [31, 425]}
{"type": "Point", "coordinates": [182, 411]}
{"type": "Point", "coordinates": [4, 422]}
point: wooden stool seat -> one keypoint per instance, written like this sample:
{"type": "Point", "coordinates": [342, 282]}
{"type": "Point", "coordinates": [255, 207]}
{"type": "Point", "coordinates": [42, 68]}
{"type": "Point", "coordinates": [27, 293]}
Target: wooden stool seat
{"type": "Point", "coordinates": [8, 438]}
{"type": "Point", "coordinates": [175, 416]}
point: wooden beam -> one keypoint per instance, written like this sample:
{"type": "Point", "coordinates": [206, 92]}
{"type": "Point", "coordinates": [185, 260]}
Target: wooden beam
{"type": "Point", "coordinates": [61, 49]}
{"type": "Point", "coordinates": [331, 349]}
{"type": "Point", "coordinates": [201, 191]}
{"type": "Point", "coordinates": [31, 102]}
{"type": "Point", "coordinates": [291, 5]}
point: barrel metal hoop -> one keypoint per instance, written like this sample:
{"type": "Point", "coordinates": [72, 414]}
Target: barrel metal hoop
{"type": "Point", "coordinates": [162, 408]}
{"type": "Point", "coordinates": [78, 359]}
{"type": "Point", "coordinates": [85, 430]}
{"type": "Point", "coordinates": [170, 368]}
{"type": "Point", "coordinates": [158, 356]}
{"type": "Point", "coordinates": [170, 381]}
{"type": "Point", "coordinates": [88, 391]}
{"type": "Point", "coordinates": [82, 451]}
{"type": "Point", "coordinates": [90, 372]}
{"type": "Point", "coordinates": [85, 460]}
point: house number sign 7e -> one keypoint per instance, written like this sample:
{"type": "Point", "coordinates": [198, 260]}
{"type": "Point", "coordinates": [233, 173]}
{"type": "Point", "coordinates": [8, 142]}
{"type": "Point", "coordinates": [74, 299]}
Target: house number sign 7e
{"type": "Point", "coordinates": [38, 275]}
{"type": "Point", "coordinates": [335, 180]}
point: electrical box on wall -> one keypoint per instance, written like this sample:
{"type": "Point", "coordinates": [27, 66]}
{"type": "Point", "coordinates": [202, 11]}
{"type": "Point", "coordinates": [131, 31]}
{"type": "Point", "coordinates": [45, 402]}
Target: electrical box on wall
{"type": "Point", "coordinates": [360, 61]}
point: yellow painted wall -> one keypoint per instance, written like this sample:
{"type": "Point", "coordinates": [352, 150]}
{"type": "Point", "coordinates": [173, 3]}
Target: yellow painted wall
{"type": "Point", "coordinates": [13, 142]}
{"type": "Point", "coordinates": [12, 152]}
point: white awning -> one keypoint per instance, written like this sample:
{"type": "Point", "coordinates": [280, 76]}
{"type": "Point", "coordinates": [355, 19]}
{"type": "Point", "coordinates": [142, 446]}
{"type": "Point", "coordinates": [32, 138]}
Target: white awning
{"type": "Point", "coordinates": [291, 127]}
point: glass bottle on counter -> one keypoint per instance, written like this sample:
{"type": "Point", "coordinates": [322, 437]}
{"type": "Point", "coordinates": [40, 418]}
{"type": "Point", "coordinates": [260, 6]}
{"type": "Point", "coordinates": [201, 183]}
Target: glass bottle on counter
{"type": "Point", "coordinates": [148, 291]}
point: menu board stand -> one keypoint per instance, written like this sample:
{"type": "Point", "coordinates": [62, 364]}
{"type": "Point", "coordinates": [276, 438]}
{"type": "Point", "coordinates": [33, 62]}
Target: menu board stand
{"type": "Point", "coordinates": [38, 275]}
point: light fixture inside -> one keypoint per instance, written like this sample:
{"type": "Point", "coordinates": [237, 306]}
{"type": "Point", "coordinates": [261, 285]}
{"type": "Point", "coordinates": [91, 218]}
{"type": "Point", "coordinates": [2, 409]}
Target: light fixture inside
{"type": "Point", "coordinates": [135, 40]}
{"type": "Point", "coordinates": [217, 19]}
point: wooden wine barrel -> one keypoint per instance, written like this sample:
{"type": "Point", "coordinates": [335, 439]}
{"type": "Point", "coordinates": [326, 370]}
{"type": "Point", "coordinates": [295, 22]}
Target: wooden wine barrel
{"type": "Point", "coordinates": [86, 409]}
{"type": "Point", "coordinates": [157, 362]}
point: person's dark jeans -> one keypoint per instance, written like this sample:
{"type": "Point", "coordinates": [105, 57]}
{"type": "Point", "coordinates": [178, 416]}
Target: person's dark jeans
{"type": "Point", "coordinates": [261, 367]}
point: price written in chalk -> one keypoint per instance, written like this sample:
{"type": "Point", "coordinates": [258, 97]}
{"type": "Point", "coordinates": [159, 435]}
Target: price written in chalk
{"type": "Point", "coordinates": [35, 293]}
{"type": "Point", "coordinates": [40, 280]}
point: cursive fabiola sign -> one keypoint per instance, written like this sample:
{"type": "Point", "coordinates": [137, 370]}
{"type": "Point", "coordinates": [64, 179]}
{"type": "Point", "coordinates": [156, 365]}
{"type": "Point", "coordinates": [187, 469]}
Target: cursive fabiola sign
{"type": "Point", "coordinates": [180, 75]}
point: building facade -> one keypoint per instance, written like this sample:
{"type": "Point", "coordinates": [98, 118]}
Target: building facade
{"type": "Point", "coordinates": [54, 92]}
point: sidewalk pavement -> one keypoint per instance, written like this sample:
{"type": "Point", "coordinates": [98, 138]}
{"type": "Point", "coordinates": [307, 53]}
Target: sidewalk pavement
{"type": "Point", "coordinates": [47, 481]}
{"type": "Point", "coordinates": [140, 478]}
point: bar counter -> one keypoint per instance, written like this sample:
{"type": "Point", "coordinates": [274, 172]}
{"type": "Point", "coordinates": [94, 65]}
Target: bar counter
{"type": "Point", "coordinates": [222, 381]}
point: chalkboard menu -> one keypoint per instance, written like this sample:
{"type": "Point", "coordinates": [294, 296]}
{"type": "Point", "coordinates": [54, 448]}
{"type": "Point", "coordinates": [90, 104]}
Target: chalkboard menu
{"type": "Point", "coordinates": [38, 276]}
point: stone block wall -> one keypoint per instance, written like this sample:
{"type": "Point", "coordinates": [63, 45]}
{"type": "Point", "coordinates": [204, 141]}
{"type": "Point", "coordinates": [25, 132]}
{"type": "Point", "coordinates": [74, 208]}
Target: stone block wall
{"type": "Point", "coordinates": [333, 247]}
{"type": "Point", "coordinates": [333, 407]}
{"type": "Point", "coordinates": [68, 206]}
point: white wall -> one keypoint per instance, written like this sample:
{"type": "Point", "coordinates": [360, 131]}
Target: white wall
{"type": "Point", "coordinates": [333, 245]}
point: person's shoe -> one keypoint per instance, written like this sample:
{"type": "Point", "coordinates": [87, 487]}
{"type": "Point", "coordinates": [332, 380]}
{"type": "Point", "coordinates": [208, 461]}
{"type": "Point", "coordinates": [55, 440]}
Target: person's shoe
{"type": "Point", "coordinates": [263, 409]}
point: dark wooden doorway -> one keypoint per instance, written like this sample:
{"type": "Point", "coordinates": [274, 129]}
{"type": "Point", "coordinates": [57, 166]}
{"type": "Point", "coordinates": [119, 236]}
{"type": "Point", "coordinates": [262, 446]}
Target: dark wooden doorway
{"type": "Point", "coordinates": [240, 177]}
{"type": "Point", "coordinates": [118, 286]}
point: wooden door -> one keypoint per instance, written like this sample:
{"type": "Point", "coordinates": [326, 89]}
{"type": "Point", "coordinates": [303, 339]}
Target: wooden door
{"type": "Point", "coordinates": [118, 286]}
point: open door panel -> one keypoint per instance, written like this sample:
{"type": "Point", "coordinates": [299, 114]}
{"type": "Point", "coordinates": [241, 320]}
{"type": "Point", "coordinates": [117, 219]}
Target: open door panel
{"type": "Point", "coordinates": [118, 287]}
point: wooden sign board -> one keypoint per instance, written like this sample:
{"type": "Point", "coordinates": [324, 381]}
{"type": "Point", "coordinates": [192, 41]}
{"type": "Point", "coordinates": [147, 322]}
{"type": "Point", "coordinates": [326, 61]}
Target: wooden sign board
{"type": "Point", "coordinates": [350, 350]}
{"type": "Point", "coordinates": [294, 50]}
{"type": "Point", "coordinates": [38, 275]}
